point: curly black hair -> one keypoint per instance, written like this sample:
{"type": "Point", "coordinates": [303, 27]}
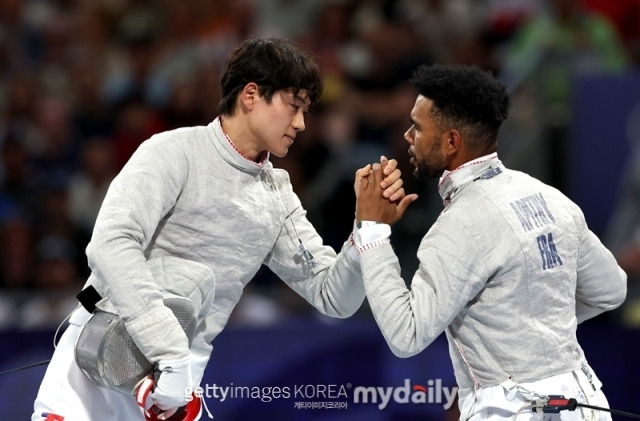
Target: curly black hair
{"type": "Point", "coordinates": [465, 98]}
{"type": "Point", "coordinates": [274, 64]}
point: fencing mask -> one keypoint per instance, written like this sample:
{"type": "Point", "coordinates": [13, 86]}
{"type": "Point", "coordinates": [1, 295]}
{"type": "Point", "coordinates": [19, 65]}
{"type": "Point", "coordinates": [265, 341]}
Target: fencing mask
{"type": "Point", "coordinates": [108, 356]}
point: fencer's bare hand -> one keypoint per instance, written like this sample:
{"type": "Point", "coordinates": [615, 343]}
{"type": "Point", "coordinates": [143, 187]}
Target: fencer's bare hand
{"type": "Point", "coordinates": [371, 205]}
{"type": "Point", "coordinates": [392, 183]}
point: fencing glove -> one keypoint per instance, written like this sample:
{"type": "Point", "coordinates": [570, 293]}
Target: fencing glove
{"type": "Point", "coordinates": [174, 382]}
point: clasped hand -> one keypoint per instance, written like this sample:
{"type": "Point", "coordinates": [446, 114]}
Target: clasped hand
{"type": "Point", "coordinates": [375, 204]}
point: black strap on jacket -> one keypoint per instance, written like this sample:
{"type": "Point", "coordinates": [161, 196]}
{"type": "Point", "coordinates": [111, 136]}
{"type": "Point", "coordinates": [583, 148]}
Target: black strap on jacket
{"type": "Point", "coordinates": [89, 297]}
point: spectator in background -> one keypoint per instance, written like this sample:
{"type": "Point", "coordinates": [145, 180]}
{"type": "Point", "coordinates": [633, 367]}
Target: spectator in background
{"type": "Point", "coordinates": [89, 184]}
{"type": "Point", "coordinates": [547, 55]}
{"type": "Point", "coordinates": [625, 14]}
{"type": "Point", "coordinates": [56, 143]}
{"type": "Point", "coordinates": [17, 179]}
{"type": "Point", "coordinates": [284, 18]}
{"type": "Point", "coordinates": [447, 26]}
{"type": "Point", "coordinates": [56, 273]}
{"type": "Point", "coordinates": [16, 251]}
{"type": "Point", "coordinates": [623, 236]}
{"type": "Point", "coordinates": [127, 69]}
{"type": "Point", "coordinates": [19, 210]}
{"type": "Point", "coordinates": [20, 103]}
{"type": "Point", "coordinates": [135, 122]}
{"type": "Point", "coordinates": [90, 114]}
{"type": "Point", "coordinates": [55, 221]}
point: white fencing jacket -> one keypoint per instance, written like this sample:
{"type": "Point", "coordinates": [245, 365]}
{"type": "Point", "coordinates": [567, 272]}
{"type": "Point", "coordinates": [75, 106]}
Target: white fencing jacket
{"type": "Point", "coordinates": [508, 271]}
{"type": "Point", "coordinates": [188, 195]}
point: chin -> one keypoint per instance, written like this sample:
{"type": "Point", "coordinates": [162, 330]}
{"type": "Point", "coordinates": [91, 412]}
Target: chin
{"type": "Point", "coordinates": [426, 174]}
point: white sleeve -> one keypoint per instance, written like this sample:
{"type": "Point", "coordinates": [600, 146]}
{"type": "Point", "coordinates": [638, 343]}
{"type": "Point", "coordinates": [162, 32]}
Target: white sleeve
{"type": "Point", "coordinates": [601, 284]}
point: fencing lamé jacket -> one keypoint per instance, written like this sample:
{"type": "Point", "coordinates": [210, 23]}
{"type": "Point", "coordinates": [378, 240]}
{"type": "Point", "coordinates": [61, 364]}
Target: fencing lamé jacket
{"type": "Point", "coordinates": [187, 212]}
{"type": "Point", "coordinates": [508, 271]}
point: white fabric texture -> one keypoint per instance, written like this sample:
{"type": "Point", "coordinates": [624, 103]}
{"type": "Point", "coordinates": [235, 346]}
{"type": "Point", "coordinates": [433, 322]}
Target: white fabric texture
{"type": "Point", "coordinates": [189, 193]}
{"type": "Point", "coordinates": [370, 235]}
{"type": "Point", "coordinates": [501, 402]}
{"type": "Point", "coordinates": [175, 377]}
{"type": "Point", "coordinates": [508, 271]}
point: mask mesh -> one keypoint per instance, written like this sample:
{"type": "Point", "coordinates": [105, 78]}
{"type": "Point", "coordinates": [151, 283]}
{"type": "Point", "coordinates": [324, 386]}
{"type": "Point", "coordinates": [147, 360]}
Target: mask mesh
{"type": "Point", "coordinates": [108, 356]}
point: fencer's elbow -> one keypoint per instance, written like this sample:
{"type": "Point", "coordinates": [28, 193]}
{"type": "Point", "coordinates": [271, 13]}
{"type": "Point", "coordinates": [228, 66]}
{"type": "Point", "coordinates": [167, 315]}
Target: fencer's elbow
{"type": "Point", "coordinates": [95, 250]}
{"type": "Point", "coordinates": [621, 292]}
{"type": "Point", "coordinates": [344, 308]}
{"type": "Point", "coordinates": [403, 348]}
{"type": "Point", "coordinates": [342, 313]}
{"type": "Point", "coordinates": [403, 351]}
{"type": "Point", "coordinates": [91, 250]}
{"type": "Point", "coordinates": [621, 296]}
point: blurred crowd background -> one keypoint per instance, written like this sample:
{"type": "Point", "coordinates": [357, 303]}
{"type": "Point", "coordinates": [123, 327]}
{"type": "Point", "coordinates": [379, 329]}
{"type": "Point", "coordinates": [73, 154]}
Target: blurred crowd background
{"type": "Point", "coordinates": [84, 82]}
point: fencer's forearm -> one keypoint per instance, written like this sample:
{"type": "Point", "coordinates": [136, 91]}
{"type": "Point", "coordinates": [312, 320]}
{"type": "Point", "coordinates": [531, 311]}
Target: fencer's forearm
{"type": "Point", "coordinates": [333, 285]}
{"type": "Point", "coordinates": [411, 318]}
{"type": "Point", "coordinates": [388, 296]}
{"type": "Point", "coordinates": [601, 283]}
{"type": "Point", "coordinates": [341, 289]}
{"type": "Point", "coordinates": [588, 309]}
{"type": "Point", "coordinates": [158, 335]}
{"type": "Point", "coordinates": [138, 198]}
{"type": "Point", "coordinates": [392, 303]}
{"type": "Point", "coordinates": [330, 282]}
{"type": "Point", "coordinates": [335, 288]}
{"type": "Point", "coordinates": [127, 282]}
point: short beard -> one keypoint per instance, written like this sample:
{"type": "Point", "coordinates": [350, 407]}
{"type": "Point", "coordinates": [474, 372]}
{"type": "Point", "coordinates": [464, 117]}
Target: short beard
{"type": "Point", "coordinates": [426, 172]}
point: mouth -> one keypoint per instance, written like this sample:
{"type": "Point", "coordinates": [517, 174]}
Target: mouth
{"type": "Point", "coordinates": [412, 157]}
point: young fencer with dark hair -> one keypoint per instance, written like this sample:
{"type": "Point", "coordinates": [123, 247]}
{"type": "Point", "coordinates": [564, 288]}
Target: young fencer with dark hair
{"type": "Point", "coordinates": [196, 212]}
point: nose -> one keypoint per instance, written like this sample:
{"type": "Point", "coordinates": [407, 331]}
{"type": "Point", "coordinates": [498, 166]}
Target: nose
{"type": "Point", "coordinates": [408, 135]}
{"type": "Point", "coordinates": [298, 121]}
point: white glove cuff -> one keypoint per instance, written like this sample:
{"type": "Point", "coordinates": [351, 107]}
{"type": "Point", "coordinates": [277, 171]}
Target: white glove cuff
{"type": "Point", "coordinates": [174, 382]}
{"type": "Point", "coordinates": [370, 233]}
{"type": "Point", "coordinates": [179, 365]}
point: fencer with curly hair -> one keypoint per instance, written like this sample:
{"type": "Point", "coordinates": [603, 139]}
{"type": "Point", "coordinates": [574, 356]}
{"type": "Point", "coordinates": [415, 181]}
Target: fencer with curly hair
{"type": "Point", "coordinates": [508, 270]}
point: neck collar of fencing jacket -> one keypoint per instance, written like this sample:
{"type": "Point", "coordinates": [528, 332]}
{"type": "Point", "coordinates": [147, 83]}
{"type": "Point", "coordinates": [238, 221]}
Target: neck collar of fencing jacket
{"type": "Point", "coordinates": [232, 154]}
{"type": "Point", "coordinates": [451, 182]}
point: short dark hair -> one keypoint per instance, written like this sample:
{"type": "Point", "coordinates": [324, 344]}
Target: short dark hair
{"type": "Point", "coordinates": [274, 64]}
{"type": "Point", "coordinates": [465, 98]}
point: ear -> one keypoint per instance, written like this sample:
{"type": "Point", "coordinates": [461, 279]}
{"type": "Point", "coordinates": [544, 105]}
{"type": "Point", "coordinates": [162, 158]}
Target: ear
{"type": "Point", "coordinates": [453, 141]}
{"type": "Point", "coordinates": [249, 95]}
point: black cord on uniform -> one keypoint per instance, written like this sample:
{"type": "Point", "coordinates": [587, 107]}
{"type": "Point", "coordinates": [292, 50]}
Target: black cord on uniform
{"type": "Point", "coordinates": [55, 345]}
{"type": "Point", "coordinates": [25, 367]}
{"type": "Point", "coordinates": [556, 403]}
{"type": "Point", "coordinates": [613, 411]}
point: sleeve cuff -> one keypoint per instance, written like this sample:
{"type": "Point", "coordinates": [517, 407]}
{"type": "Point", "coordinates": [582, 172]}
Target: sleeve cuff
{"type": "Point", "coordinates": [368, 234]}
